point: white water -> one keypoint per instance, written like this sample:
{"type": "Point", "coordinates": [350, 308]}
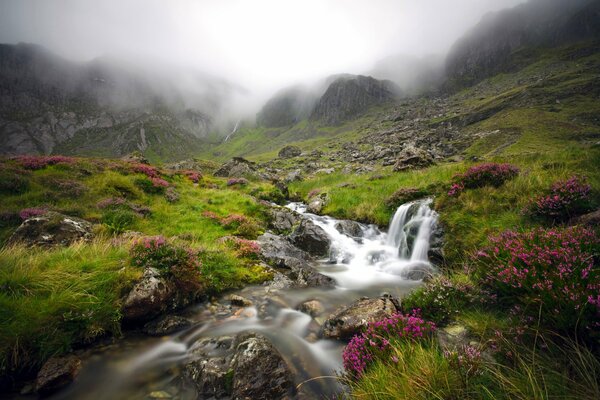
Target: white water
{"type": "Point", "coordinates": [370, 265]}
{"type": "Point", "coordinates": [234, 130]}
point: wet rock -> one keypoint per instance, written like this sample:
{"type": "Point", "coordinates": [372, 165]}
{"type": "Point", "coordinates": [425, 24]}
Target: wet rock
{"type": "Point", "coordinates": [412, 157]}
{"type": "Point", "coordinates": [350, 320]}
{"type": "Point", "coordinates": [239, 301]}
{"type": "Point", "coordinates": [306, 275]}
{"type": "Point", "coordinates": [238, 167]}
{"type": "Point", "coordinates": [283, 219]}
{"type": "Point", "coordinates": [57, 373]}
{"type": "Point", "coordinates": [418, 271]}
{"type": "Point", "coordinates": [148, 298]}
{"type": "Point", "coordinates": [289, 152]}
{"type": "Point", "coordinates": [253, 354]}
{"type": "Point", "coordinates": [211, 376]}
{"type": "Point", "coordinates": [166, 325]}
{"type": "Point", "coordinates": [316, 203]}
{"type": "Point", "coordinates": [436, 245]}
{"type": "Point", "coordinates": [279, 281]}
{"type": "Point", "coordinates": [279, 252]}
{"type": "Point", "coordinates": [349, 228]}
{"type": "Point", "coordinates": [52, 229]}
{"type": "Point", "coordinates": [311, 307]}
{"type": "Point", "coordinates": [311, 238]}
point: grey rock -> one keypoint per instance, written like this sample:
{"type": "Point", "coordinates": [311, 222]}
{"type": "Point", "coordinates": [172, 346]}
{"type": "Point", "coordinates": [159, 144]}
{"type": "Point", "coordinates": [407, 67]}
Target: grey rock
{"type": "Point", "coordinates": [52, 229]}
{"type": "Point", "coordinates": [350, 320]}
{"type": "Point", "coordinates": [311, 307]}
{"type": "Point", "coordinates": [211, 376]}
{"type": "Point", "coordinates": [57, 373]}
{"type": "Point", "coordinates": [255, 353]}
{"type": "Point", "coordinates": [149, 297]}
{"type": "Point", "coordinates": [349, 228]}
{"type": "Point", "coordinates": [279, 252]}
{"type": "Point", "coordinates": [238, 167]}
{"type": "Point", "coordinates": [289, 152]}
{"type": "Point", "coordinates": [166, 325]}
{"type": "Point", "coordinates": [239, 301]}
{"type": "Point", "coordinates": [317, 202]}
{"type": "Point", "coordinates": [283, 219]}
{"type": "Point", "coordinates": [294, 176]}
{"type": "Point", "coordinates": [311, 238]}
{"type": "Point", "coordinates": [412, 158]}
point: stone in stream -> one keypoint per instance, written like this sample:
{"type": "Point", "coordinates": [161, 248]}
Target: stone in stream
{"type": "Point", "coordinates": [52, 229]}
{"type": "Point", "coordinates": [283, 220]}
{"type": "Point", "coordinates": [278, 251]}
{"type": "Point", "coordinates": [350, 320]}
{"type": "Point", "coordinates": [57, 373]}
{"type": "Point", "coordinates": [166, 325]}
{"type": "Point", "coordinates": [259, 371]}
{"type": "Point", "coordinates": [148, 298]}
{"type": "Point", "coordinates": [316, 203]}
{"type": "Point", "coordinates": [239, 301]}
{"type": "Point", "coordinates": [311, 307]}
{"type": "Point", "coordinates": [311, 238]}
{"type": "Point", "coordinates": [349, 228]}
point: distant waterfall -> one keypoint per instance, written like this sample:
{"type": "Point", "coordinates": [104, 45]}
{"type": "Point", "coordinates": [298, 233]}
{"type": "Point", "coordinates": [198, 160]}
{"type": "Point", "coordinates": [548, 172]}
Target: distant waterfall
{"type": "Point", "coordinates": [235, 128]}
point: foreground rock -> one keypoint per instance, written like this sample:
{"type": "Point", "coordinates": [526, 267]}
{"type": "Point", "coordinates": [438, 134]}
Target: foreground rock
{"type": "Point", "coordinates": [57, 373]}
{"type": "Point", "coordinates": [149, 298]}
{"type": "Point", "coordinates": [289, 152]}
{"type": "Point", "coordinates": [166, 325]}
{"type": "Point", "coordinates": [52, 229]}
{"type": "Point", "coordinates": [311, 238]}
{"type": "Point", "coordinates": [350, 320]}
{"type": "Point", "coordinates": [283, 219]}
{"type": "Point", "coordinates": [316, 203]}
{"type": "Point", "coordinates": [259, 371]}
{"type": "Point", "coordinates": [238, 167]}
{"type": "Point", "coordinates": [349, 228]}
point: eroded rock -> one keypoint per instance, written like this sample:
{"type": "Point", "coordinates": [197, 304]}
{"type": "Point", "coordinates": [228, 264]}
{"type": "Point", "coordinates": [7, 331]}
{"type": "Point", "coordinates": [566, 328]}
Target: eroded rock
{"type": "Point", "coordinates": [52, 229]}
{"type": "Point", "coordinates": [311, 238]}
{"type": "Point", "coordinates": [57, 373]}
{"type": "Point", "coordinates": [148, 298]}
{"type": "Point", "coordinates": [166, 325]}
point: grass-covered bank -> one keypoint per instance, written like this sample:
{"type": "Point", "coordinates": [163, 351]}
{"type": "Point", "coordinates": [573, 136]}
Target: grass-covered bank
{"type": "Point", "coordinates": [55, 299]}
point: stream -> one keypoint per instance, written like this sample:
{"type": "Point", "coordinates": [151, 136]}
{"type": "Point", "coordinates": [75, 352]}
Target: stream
{"type": "Point", "coordinates": [140, 367]}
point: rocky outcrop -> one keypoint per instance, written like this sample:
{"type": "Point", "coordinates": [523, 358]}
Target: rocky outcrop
{"type": "Point", "coordinates": [287, 107]}
{"type": "Point", "coordinates": [412, 158]}
{"type": "Point", "coordinates": [238, 167]}
{"type": "Point", "coordinates": [350, 320]}
{"type": "Point", "coordinates": [289, 152]}
{"type": "Point", "coordinates": [255, 353]}
{"type": "Point", "coordinates": [283, 220]}
{"type": "Point", "coordinates": [149, 298]}
{"type": "Point", "coordinates": [57, 373]}
{"type": "Point", "coordinates": [316, 203]}
{"type": "Point", "coordinates": [349, 96]}
{"type": "Point", "coordinates": [311, 238]}
{"type": "Point", "coordinates": [52, 229]}
{"type": "Point", "coordinates": [166, 325]}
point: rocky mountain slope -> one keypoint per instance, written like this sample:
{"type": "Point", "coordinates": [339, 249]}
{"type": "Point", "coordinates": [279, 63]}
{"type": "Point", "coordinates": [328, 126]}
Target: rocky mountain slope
{"type": "Point", "coordinates": [287, 107]}
{"type": "Point", "coordinates": [50, 105]}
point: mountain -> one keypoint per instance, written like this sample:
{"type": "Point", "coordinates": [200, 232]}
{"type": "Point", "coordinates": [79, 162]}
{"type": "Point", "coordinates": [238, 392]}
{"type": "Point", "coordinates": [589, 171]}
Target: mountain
{"type": "Point", "coordinates": [287, 107]}
{"type": "Point", "coordinates": [351, 95]}
{"type": "Point", "coordinates": [102, 107]}
{"type": "Point", "coordinates": [493, 45]}
{"type": "Point", "coordinates": [412, 74]}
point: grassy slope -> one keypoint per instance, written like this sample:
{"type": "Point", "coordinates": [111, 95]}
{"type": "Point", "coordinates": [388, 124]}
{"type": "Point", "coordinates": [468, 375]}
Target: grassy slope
{"type": "Point", "coordinates": [52, 300]}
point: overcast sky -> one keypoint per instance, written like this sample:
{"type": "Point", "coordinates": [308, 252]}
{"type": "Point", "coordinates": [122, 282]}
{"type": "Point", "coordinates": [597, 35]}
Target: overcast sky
{"type": "Point", "coordinates": [261, 44]}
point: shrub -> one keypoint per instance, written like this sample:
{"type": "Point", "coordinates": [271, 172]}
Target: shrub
{"type": "Point", "coordinates": [148, 170]}
{"type": "Point", "coordinates": [487, 174]}
{"type": "Point", "coordinates": [192, 175]}
{"type": "Point", "coordinates": [549, 271]}
{"type": "Point", "coordinates": [565, 199]}
{"type": "Point", "coordinates": [118, 220]}
{"type": "Point", "coordinates": [152, 185]}
{"type": "Point", "coordinates": [237, 181]}
{"type": "Point", "coordinates": [39, 162]}
{"type": "Point", "coordinates": [12, 182]}
{"type": "Point", "coordinates": [27, 213]}
{"type": "Point", "coordinates": [443, 297]}
{"type": "Point", "coordinates": [243, 247]}
{"type": "Point", "coordinates": [374, 343]}
{"type": "Point", "coordinates": [467, 361]}
{"type": "Point", "coordinates": [179, 264]}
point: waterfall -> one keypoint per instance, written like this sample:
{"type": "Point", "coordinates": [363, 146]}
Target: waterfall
{"type": "Point", "coordinates": [396, 235]}
{"type": "Point", "coordinates": [408, 218]}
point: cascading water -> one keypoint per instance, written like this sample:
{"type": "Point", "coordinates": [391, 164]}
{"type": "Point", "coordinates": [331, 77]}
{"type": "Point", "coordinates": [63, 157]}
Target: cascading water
{"type": "Point", "coordinates": [369, 264]}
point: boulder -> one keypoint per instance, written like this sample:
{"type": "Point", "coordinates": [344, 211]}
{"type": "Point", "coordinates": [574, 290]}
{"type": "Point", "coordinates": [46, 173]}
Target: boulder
{"type": "Point", "coordinates": [57, 373]}
{"type": "Point", "coordinates": [316, 203]}
{"type": "Point", "coordinates": [289, 152]}
{"type": "Point", "coordinates": [283, 219]}
{"type": "Point", "coordinates": [148, 298]}
{"type": "Point", "coordinates": [135, 157]}
{"type": "Point", "coordinates": [311, 238]}
{"type": "Point", "coordinates": [311, 307]}
{"type": "Point", "coordinates": [52, 229]}
{"type": "Point", "coordinates": [279, 252]}
{"type": "Point", "coordinates": [412, 157]}
{"type": "Point", "coordinates": [349, 228]}
{"type": "Point", "coordinates": [166, 325]}
{"type": "Point", "coordinates": [211, 376]}
{"type": "Point", "coordinates": [239, 301]}
{"type": "Point", "coordinates": [259, 371]}
{"type": "Point", "coordinates": [293, 176]}
{"type": "Point", "coordinates": [238, 167]}
{"type": "Point", "coordinates": [350, 320]}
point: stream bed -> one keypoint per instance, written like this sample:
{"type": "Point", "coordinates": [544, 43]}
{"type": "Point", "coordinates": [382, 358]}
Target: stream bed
{"type": "Point", "coordinates": [370, 264]}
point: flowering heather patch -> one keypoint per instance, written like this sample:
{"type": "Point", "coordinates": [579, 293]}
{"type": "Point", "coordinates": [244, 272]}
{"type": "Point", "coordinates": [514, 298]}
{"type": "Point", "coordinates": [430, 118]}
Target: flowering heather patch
{"type": "Point", "coordinates": [466, 360]}
{"type": "Point", "coordinates": [237, 181]}
{"type": "Point", "coordinates": [148, 170]}
{"type": "Point", "coordinates": [243, 247]}
{"type": "Point", "coordinates": [39, 162]}
{"type": "Point", "coordinates": [374, 343]}
{"type": "Point", "coordinates": [192, 175]}
{"type": "Point", "coordinates": [180, 264]}
{"type": "Point", "coordinates": [111, 202]}
{"type": "Point", "coordinates": [234, 220]}
{"type": "Point", "coordinates": [211, 215]}
{"type": "Point", "coordinates": [566, 199]}
{"type": "Point", "coordinates": [487, 174]}
{"type": "Point", "coordinates": [555, 269]}
{"type": "Point", "coordinates": [159, 182]}
{"type": "Point", "coordinates": [27, 213]}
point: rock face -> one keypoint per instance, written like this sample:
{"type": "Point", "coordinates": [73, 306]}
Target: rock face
{"type": "Point", "coordinates": [57, 373]}
{"type": "Point", "coordinates": [289, 152]}
{"type": "Point", "coordinates": [148, 298]}
{"type": "Point", "coordinates": [283, 219]}
{"type": "Point", "coordinates": [412, 158]}
{"type": "Point", "coordinates": [350, 95]}
{"type": "Point", "coordinates": [286, 108]}
{"type": "Point", "coordinates": [488, 48]}
{"type": "Point", "coordinates": [238, 167]}
{"type": "Point", "coordinates": [347, 321]}
{"type": "Point", "coordinates": [259, 371]}
{"type": "Point", "coordinates": [311, 238]}
{"type": "Point", "coordinates": [166, 325]}
{"type": "Point", "coordinates": [52, 229]}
